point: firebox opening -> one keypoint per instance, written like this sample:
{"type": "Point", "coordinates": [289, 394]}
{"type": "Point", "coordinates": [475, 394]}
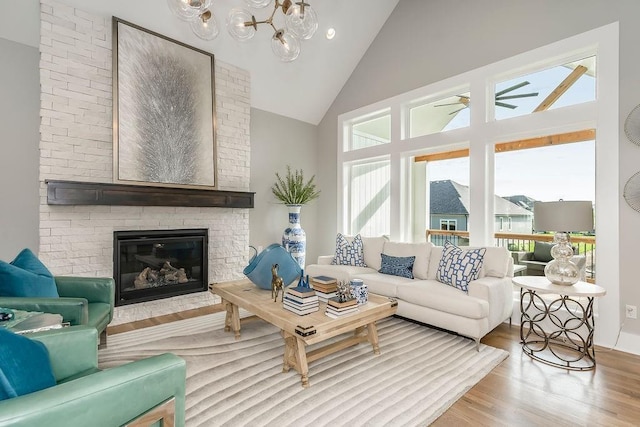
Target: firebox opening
{"type": "Point", "coordinates": [155, 264]}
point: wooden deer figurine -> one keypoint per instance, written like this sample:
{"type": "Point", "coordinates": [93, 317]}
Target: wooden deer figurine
{"type": "Point", "coordinates": [277, 284]}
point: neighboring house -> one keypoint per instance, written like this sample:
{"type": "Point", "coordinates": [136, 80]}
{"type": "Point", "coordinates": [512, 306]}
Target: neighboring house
{"type": "Point", "coordinates": [521, 200]}
{"type": "Point", "coordinates": [449, 208]}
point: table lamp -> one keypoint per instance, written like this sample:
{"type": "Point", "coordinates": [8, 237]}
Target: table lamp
{"type": "Point", "coordinates": [562, 217]}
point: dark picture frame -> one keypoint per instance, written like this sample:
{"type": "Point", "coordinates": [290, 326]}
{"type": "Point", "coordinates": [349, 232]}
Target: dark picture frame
{"type": "Point", "coordinates": [164, 125]}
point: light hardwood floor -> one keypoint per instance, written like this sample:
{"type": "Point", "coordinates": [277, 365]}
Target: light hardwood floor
{"type": "Point", "coordinates": [523, 392]}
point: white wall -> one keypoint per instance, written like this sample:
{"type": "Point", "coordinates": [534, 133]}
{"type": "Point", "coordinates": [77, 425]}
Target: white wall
{"type": "Point", "coordinates": [425, 42]}
{"type": "Point", "coordinates": [276, 142]}
{"type": "Point", "coordinates": [19, 119]}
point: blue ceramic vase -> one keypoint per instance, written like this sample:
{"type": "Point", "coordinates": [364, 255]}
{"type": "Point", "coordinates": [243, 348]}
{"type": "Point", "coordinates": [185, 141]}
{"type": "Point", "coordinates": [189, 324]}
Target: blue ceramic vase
{"type": "Point", "coordinates": [294, 239]}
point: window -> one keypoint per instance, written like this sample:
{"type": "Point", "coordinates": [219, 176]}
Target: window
{"type": "Point", "coordinates": [409, 180]}
{"type": "Point", "coordinates": [370, 131]}
{"type": "Point", "coordinates": [567, 84]}
{"type": "Point", "coordinates": [438, 116]}
{"type": "Point", "coordinates": [448, 224]}
{"type": "Point", "coordinates": [368, 197]}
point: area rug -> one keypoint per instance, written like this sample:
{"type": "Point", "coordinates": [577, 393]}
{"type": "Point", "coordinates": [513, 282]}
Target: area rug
{"type": "Point", "coordinates": [418, 375]}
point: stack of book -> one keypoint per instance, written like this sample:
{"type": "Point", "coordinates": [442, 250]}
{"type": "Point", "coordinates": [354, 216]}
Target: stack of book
{"type": "Point", "coordinates": [325, 287]}
{"type": "Point", "coordinates": [301, 300]}
{"type": "Point", "coordinates": [336, 309]}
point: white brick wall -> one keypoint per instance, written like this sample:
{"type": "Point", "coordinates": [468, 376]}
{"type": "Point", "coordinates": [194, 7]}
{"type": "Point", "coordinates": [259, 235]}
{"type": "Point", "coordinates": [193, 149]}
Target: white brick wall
{"type": "Point", "coordinates": [76, 144]}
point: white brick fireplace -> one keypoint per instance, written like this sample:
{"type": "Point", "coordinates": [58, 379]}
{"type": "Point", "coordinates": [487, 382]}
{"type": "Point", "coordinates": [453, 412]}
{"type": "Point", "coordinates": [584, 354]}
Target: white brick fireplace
{"type": "Point", "coordinates": [76, 144]}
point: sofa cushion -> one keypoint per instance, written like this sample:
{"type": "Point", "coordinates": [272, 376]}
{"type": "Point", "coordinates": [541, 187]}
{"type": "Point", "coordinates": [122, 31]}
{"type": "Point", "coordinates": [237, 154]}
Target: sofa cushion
{"type": "Point", "coordinates": [397, 266]}
{"type": "Point", "coordinates": [435, 255]}
{"type": "Point", "coordinates": [495, 264]}
{"type": "Point", "coordinates": [420, 250]}
{"type": "Point", "coordinates": [459, 267]}
{"type": "Point", "coordinates": [496, 261]}
{"type": "Point", "coordinates": [373, 247]}
{"type": "Point", "coordinates": [24, 365]}
{"type": "Point", "coordinates": [542, 251]}
{"type": "Point", "coordinates": [437, 296]}
{"type": "Point", "coordinates": [341, 272]}
{"type": "Point", "coordinates": [349, 252]}
{"type": "Point", "coordinates": [383, 284]}
{"type": "Point", "coordinates": [26, 276]}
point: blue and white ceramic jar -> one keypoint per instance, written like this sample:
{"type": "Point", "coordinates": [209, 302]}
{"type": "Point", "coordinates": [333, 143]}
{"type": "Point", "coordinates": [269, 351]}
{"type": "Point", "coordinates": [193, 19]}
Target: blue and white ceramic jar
{"type": "Point", "coordinates": [294, 239]}
{"type": "Point", "coordinates": [359, 291]}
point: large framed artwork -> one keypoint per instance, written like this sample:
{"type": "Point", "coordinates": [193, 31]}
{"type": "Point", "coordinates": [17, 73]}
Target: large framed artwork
{"type": "Point", "coordinates": [163, 111]}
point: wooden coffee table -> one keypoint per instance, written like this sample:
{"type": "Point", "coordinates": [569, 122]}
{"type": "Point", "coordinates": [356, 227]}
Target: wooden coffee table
{"type": "Point", "coordinates": [302, 331]}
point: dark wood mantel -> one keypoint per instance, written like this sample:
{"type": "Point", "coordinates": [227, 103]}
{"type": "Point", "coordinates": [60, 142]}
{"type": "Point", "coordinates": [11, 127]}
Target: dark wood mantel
{"type": "Point", "coordinates": [97, 193]}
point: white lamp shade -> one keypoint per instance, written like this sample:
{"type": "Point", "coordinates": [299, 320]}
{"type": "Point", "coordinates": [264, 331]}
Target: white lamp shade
{"type": "Point", "coordinates": [563, 216]}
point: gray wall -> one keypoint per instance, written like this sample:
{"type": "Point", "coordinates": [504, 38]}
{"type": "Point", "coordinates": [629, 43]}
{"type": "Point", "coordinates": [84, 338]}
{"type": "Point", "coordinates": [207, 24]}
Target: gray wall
{"type": "Point", "coordinates": [19, 135]}
{"type": "Point", "coordinates": [426, 41]}
{"type": "Point", "coordinates": [276, 142]}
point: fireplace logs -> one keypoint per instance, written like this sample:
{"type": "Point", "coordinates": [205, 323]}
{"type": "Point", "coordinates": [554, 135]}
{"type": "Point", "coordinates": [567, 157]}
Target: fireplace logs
{"type": "Point", "coordinates": [167, 275]}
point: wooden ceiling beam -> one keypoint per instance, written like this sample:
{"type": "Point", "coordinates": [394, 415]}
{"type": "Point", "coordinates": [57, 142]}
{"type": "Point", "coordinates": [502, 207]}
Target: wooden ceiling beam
{"type": "Point", "coordinates": [562, 88]}
{"type": "Point", "coordinates": [522, 144]}
{"type": "Point", "coordinates": [544, 141]}
{"type": "Point", "coordinates": [443, 156]}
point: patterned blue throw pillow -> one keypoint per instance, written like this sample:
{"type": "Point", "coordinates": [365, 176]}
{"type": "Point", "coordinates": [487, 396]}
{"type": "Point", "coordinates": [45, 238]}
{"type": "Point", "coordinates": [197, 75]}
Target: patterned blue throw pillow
{"type": "Point", "coordinates": [459, 267]}
{"type": "Point", "coordinates": [397, 266]}
{"type": "Point", "coordinates": [349, 253]}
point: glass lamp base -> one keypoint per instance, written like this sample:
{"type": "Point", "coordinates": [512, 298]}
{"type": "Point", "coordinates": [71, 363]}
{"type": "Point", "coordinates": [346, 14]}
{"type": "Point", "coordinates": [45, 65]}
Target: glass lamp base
{"type": "Point", "coordinates": [562, 272]}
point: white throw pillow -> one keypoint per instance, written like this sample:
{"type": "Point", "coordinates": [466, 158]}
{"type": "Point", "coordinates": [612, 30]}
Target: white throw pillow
{"type": "Point", "coordinates": [372, 250]}
{"type": "Point", "coordinates": [496, 261]}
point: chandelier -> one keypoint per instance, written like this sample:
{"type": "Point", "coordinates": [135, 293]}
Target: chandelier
{"type": "Point", "coordinates": [300, 23]}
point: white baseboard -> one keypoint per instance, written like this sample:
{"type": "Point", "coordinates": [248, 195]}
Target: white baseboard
{"type": "Point", "coordinates": [629, 343]}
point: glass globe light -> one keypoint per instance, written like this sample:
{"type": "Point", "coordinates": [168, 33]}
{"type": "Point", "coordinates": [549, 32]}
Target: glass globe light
{"type": "Point", "coordinates": [205, 26]}
{"type": "Point", "coordinates": [257, 4]}
{"type": "Point", "coordinates": [285, 45]}
{"type": "Point", "coordinates": [303, 22]}
{"type": "Point", "coordinates": [237, 24]}
{"type": "Point", "coordinates": [188, 10]}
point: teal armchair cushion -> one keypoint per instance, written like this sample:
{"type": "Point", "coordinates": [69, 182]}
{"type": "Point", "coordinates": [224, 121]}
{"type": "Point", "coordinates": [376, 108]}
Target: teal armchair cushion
{"type": "Point", "coordinates": [26, 276]}
{"type": "Point", "coordinates": [86, 396]}
{"type": "Point", "coordinates": [24, 366]}
{"type": "Point", "coordinates": [83, 301]}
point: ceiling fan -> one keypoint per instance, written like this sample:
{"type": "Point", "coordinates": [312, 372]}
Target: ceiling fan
{"type": "Point", "coordinates": [500, 96]}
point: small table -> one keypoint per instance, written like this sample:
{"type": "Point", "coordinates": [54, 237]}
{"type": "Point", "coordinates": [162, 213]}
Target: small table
{"type": "Point", "coordinates": [26, 322]}
{"type": "Point", "coordinates": [519, 270]}
{"type": "Point", "coordinates": [553, 332]}
{"type": "Point", "coordinates": [302, 331]}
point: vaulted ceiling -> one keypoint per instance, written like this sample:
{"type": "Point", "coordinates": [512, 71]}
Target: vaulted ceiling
{"type": "Point", "coordinates": [303, 89]}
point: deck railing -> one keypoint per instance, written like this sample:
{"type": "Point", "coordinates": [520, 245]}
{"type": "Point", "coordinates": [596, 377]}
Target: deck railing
{"type": "Point", "coordinates": [582, 245]}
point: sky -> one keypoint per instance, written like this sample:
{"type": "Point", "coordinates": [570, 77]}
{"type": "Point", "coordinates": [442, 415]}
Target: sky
{"type": "Point", "coordinates": [548, 173]}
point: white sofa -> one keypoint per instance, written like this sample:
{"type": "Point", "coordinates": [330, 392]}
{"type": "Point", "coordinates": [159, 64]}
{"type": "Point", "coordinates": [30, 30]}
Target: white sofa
{"type": "Point", "coordinates": [488, 303]}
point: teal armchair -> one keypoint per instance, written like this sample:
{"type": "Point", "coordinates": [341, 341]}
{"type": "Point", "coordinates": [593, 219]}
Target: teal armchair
{"type": "Point", "coordinates": [144, 390]}
{"type": "Point", "coordinates": [83, 301]}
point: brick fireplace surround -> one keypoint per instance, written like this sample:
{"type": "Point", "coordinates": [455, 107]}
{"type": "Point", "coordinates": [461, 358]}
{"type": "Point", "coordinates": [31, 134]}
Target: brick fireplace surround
{"type": "Point", "coordinates": [76, 144]}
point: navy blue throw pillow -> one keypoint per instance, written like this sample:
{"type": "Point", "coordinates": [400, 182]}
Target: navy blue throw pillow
{"type": "Point", "coordinates": [24, 365]}
{"type": "Point", "coordinates": [397, 266]}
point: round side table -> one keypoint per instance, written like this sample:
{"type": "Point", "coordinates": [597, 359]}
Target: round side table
{"type": "Point", "coordinates": [558, 329]}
